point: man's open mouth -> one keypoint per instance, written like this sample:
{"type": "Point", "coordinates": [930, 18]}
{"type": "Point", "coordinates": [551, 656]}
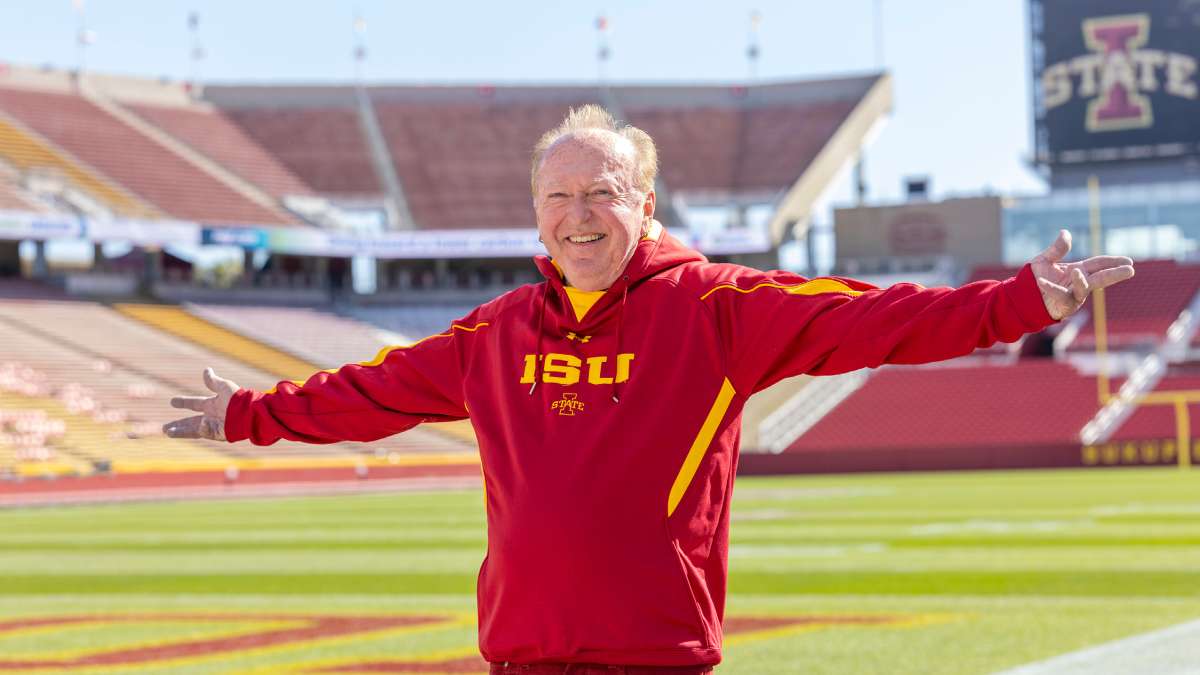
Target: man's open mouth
{"type": "Point", "coordinates": [585, 238]}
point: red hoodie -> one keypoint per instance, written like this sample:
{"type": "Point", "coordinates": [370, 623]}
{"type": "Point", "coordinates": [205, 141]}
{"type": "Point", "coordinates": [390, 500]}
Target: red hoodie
{"type": "Point", "coordinates": [609, 443]}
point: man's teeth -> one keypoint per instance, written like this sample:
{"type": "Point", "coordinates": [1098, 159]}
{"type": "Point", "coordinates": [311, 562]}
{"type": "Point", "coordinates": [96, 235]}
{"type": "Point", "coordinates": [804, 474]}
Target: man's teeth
{"type": "Point", "coordinates": [585, 238]}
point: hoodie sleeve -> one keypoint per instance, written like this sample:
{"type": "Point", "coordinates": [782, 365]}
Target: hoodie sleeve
{"type": "Point", "coordinates": [776, 325]}
{"type": "Point", "coordinates": [397, 390]}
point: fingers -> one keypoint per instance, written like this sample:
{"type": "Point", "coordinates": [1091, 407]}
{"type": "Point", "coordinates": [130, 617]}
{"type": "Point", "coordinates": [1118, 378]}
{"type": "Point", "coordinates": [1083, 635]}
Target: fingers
{"type": "Point", "coordinates": [1103, 262]}
{"type": "Point", "coordinates": [195, 403]}
{"type": "Point", "coordinates": [1059, 249]}
{"type": "Point", "coordinates": [1079, 285]}
{"type": "Point", "coordinates": [188, 427]}
{"type": "Point", "coordinates": [218, 384]}
{"type": "Point", "coordinates": [1060, 301]}
{"type": "Point", "coordinates": [1108, 277]}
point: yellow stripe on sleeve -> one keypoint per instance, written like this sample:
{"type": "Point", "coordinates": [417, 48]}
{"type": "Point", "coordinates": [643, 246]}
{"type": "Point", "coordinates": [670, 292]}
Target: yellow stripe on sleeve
{"type": "Point", "coordinates": [812, 287]}
{"type": "Point", "coordinates": [383, 353]}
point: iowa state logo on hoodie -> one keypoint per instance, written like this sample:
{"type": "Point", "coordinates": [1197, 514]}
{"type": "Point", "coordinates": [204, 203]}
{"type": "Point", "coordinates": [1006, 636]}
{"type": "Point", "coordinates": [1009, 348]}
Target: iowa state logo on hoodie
{"type": "Point", "coordinates": [568, 369]}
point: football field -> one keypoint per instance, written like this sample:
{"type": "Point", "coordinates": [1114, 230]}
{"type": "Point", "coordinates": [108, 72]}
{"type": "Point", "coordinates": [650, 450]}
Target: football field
{"type": "Point", "coordinates": [895, 573]}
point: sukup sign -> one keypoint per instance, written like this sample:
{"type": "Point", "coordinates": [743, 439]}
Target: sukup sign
{"type": "Point", "coordinates": [1117, 79]}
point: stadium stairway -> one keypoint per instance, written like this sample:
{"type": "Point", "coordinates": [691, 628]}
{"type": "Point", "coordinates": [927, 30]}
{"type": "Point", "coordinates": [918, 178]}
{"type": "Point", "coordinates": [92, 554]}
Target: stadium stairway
{"type": "Point", "coordinates": [214, 135]}
{"type": "Point", "coordinates": [24, 150]}
{"type": "Point", "coordinates": [762, 404]}
{"type": "Point", "coordinates": [202, 162]}
{"type": "Point", "coordinates": [1149, 435]}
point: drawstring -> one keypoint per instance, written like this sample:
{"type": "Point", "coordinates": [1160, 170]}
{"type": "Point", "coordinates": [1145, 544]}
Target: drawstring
{"type": "Point", "coordinates": [537, 357]}
{"type": "Point", "coordinates": [617, 342]}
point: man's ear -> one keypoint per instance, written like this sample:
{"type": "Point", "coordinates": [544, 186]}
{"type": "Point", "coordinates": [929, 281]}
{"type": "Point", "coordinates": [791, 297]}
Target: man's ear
{"type": "Point", "coordinates": [648, 205]}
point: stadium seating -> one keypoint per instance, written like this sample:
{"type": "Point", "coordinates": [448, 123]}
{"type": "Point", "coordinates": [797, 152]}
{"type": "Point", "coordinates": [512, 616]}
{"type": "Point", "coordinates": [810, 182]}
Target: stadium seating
{"type": "Point", "coordinates": [138, 163]}
{"type": "Point", "coordinates": [323, 146]}
{"type": "Point", "coordinates": [415, 321]}
{"type": "Point", "coordinates": [319, 337]}
{"type": "Point", "coordinates": [477, 177]}
{"type": "Point", "coordinates": [1140, 310]}
{"type": "Point", "coordinates": [12, 198]}
{"type": "Point", "coordinates": [1030, 403]}
{"type": "Point", "coordinates": [113, 392]}
{"type": "Point", "coordinates": [211, 133]}
{"type": "Point", "coordinates": [728, 147]}
{"type": "Point", "coordinates": [27, 153]}
{"type": "Point", "coordinates": [176, 321]}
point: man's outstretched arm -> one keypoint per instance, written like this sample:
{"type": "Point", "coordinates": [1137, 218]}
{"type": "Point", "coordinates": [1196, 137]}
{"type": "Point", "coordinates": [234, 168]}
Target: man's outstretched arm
{"type": "Point", "coordinates": [790, 326]}
{"type": "Point", "coordinates": [399, 389]}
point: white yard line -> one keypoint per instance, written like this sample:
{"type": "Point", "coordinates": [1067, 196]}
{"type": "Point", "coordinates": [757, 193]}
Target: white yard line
{"type": "Point", "coordinates": [236, 491]}
{"type": "Point", "coordinates": [1170, 651]}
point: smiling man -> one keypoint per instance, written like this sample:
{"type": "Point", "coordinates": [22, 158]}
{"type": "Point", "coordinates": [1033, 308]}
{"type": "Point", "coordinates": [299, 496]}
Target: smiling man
{"type": "Point", "coordinates": [607, 401]}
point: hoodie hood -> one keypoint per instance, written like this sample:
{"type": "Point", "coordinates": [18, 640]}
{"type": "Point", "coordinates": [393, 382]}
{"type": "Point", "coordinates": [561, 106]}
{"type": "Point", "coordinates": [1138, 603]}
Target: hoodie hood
{"type": "Point", "coordinates": [654, 253]}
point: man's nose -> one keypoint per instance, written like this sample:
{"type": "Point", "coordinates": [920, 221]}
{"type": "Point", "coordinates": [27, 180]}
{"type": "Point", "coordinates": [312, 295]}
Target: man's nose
{"type": "Point", "coordinates": [579, 209]}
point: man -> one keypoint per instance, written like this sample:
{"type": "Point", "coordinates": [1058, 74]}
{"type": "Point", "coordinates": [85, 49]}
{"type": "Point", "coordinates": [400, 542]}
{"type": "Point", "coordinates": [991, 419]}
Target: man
{"type": "Point", "coordinates": [607, 402]}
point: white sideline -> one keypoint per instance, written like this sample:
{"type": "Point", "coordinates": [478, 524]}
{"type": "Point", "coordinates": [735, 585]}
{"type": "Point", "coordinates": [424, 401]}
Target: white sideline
{"type": "Point", "coordinates": [1174, 650]}
{"type": "Point", "coordinates": [237, 491]}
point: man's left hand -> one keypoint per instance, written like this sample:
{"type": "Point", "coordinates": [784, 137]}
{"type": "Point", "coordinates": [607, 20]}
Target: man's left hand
{"type": "Point", "coordinates": [1066, 286]}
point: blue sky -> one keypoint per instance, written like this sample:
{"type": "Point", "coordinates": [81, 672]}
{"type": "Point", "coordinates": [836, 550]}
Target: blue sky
{"type": "Point", "coordinates": [961, 97]}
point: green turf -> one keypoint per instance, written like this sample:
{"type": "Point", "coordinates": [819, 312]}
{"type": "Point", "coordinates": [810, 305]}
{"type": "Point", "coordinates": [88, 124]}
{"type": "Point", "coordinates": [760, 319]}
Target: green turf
{"type": "Point", "coordinates": [989, 570]}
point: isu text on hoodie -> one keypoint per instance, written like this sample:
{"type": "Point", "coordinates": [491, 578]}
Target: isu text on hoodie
{"type": "Point", "coordinates": [609, 440]}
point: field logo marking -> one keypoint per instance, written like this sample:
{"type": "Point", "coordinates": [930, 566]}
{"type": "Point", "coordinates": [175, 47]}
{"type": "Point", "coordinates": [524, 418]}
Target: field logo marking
{"type": "Point", "coordinates": [282, 631]}
{"type": "Point", "coordinates": [738, 630]}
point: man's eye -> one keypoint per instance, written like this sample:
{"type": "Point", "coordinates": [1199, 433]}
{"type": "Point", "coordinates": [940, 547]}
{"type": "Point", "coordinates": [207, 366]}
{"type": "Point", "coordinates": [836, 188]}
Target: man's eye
{"type": "Point", "coordinates": [556, 195]}
{"type": "Point", "coordinates": [602, 193]}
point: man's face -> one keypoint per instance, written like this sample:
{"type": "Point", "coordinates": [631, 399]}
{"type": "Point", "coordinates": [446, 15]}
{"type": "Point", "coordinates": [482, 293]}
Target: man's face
{"type": "Point", "coordinates": [590, 213]}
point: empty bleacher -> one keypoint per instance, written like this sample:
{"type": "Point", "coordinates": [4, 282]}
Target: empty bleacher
{"type": "Point", "coordinates": [212, 134]}
{"type": "Point", "coordinates": [953, 416]}
{"type": "Point", "coordinates": [415, 321]}
{"type": "Point", "coordinates": [475, 177]}
{"type": "Point", "coordinates": [27, 153]}
{"type": "Point", "coordinates": [142, 166]}
{"type": "Point", "coordinates": [1138, 311]}
{"type": "Point", "coordinates": [316, 336]}
{"type": "Point", "coordinates": [124, 373]}
{"type": "Point", "coordinates": [12, 198]}
{"type": "Point", "coordinates": [324, 146]}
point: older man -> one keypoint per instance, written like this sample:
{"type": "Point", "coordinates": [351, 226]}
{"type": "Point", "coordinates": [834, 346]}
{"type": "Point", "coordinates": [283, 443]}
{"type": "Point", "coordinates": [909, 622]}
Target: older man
{"type": "Point", "coordinates": [607, 401]}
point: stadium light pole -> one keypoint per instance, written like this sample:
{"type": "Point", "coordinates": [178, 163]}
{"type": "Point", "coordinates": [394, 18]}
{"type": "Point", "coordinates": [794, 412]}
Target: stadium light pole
{"type": "Point", "coordinates": [196, 54]}
{"type": "Point", "coordinates": [360, 47]}
{"type": "Point", "coordinates": [602, 50]}
{"type": "Point", "coordinates": [83, 36]}
{"type": "Point", "coordinates": [753, 50]}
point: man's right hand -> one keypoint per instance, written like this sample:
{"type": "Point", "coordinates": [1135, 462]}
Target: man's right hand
{"type": "Point", "coordinates": [210, 423]}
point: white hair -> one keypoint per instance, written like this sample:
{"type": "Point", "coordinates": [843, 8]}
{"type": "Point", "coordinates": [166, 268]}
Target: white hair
{"type": "Point", "coordinates": [592, 116]}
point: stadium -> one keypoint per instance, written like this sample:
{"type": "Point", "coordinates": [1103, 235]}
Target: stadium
{"type": "Point", "coordinates": [1028, 508]}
